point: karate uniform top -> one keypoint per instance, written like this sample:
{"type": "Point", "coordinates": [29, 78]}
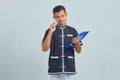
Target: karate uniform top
{"type": "Point", "coordinates": [61, 61]}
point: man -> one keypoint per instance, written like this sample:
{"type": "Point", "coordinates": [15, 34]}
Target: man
{"type": "Point", "coordinates": [57, 37]}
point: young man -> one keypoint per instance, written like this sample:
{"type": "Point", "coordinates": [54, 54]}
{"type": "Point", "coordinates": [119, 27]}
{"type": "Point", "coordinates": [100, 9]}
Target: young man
{"type": "Point", "coordinates": [57, 37]}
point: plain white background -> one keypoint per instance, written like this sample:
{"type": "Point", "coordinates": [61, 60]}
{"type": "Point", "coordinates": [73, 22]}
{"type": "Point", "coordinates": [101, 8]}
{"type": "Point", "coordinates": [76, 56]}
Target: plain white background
{"type": "Point", "coordinates": [24, 22]}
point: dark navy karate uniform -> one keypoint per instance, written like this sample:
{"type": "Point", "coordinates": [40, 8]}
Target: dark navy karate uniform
{"type": "Point", "coordinates": [61, 61]}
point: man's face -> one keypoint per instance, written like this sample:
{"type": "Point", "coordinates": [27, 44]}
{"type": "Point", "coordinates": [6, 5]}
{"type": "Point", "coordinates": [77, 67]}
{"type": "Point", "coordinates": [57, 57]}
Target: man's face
{"type": "Point", "coordinates": [61, 17]}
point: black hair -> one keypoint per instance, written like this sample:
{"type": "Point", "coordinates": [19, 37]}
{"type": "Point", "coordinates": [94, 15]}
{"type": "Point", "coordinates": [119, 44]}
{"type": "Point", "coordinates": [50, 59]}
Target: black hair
{"type": "Point", "coordinates": [58, 8]}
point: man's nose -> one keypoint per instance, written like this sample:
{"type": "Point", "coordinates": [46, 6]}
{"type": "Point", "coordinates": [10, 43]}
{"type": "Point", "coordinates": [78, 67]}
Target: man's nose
{"type": "Point", "coordinates": [61, 18]}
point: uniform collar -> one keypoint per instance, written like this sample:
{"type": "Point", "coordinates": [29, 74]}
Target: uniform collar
{"type": "Point", "coordinates": [61, 27]}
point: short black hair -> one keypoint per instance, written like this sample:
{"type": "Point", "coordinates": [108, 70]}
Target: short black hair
{"type": "Point", "coordinates": [58, 8]}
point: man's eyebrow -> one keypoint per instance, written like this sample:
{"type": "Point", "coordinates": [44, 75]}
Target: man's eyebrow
{"type": "Point", "coordinates": [57, 16]}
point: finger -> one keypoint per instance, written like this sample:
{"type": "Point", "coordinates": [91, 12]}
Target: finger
{"type": "Point", "coordinates": [77, 38]}
{"type": "Point", "coordinates": [54, 23]}
{"type": "Point", "coordinates": [53, 27]}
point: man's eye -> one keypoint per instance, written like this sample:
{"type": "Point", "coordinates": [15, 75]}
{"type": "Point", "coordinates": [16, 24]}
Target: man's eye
{"type": "Point", "coordinates": [57, 17]}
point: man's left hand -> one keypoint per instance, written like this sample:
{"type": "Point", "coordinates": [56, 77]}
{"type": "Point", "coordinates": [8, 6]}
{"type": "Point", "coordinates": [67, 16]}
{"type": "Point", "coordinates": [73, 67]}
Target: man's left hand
{"type": "Point", "coordinates": [76, 40]}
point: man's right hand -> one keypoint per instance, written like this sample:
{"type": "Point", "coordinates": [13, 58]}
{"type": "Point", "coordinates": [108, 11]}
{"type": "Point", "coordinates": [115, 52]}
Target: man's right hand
{"type": "Point", "coordinates": [47, 41]}
{"type": "Point", "coordinates": [53, 27]}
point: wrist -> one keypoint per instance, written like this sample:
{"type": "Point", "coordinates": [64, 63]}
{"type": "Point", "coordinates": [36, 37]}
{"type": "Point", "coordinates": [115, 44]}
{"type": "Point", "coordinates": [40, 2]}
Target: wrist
{"type": "Point", "coordinates": [50, 31]}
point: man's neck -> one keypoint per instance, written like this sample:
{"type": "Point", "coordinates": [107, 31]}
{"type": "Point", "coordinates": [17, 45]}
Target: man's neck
{"type": "Point", "coordinates": [62, 25]}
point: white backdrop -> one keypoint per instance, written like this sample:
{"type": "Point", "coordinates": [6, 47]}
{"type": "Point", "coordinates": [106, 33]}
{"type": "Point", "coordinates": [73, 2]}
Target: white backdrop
{"type": "Point", "coordinates": [24, 22]}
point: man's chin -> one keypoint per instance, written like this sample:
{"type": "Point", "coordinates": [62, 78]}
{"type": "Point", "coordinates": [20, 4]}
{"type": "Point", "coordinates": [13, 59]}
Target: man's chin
{"type": "Point", "coordinates": [62, 24]}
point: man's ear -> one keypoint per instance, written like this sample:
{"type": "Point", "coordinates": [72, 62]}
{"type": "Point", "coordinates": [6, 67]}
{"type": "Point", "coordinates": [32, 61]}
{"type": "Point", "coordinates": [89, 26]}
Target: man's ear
{"type": "Point", "coordinates": [66, 13]}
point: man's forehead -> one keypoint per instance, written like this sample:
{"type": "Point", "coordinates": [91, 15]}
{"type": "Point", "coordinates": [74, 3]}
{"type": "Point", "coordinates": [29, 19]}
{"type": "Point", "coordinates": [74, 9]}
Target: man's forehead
{"type": "Point", "coordinates": [60, 12]}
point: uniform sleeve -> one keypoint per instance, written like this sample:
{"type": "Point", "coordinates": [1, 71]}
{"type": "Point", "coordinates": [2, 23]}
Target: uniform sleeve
{"type": "Point", "coordinates": [75, 32]}
{"type": "Point", "coordinates": [45, 35]}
